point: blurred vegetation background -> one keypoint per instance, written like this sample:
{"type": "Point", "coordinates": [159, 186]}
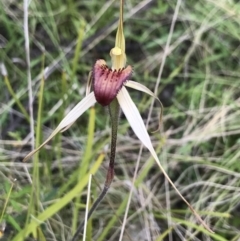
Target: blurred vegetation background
{"type": "Point", "coordinates": [44, 199]}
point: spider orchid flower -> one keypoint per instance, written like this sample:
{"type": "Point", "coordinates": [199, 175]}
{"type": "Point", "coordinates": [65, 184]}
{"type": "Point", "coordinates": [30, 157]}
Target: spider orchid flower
{"type": "Point", "coordinates": [109, 89]}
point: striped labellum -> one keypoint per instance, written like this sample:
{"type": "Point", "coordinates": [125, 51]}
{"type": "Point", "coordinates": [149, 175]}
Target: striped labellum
{"type": "Point", "coordinates": [108, 82]}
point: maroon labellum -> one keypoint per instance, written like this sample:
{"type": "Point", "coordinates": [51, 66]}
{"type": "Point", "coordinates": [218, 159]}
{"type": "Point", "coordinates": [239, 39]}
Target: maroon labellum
{"type": "Point", "coordinates": [108, 82]}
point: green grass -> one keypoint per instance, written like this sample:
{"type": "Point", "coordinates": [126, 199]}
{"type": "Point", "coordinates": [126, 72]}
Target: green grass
{"type": "Point", "coordinates": [198, 145]}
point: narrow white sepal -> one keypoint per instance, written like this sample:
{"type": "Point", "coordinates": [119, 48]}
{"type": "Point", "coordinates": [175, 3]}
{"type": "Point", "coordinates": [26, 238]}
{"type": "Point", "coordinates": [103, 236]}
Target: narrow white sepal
{"type": "Point", "coordinates": [69, 119]}
{"type": "Point", "coordinates": [140, 87]}
{"type": "Point", "coordinates": [78, 110]}
{"type": "Point", "coordinates": [134, 118]}
{"type": "Point", "coordinates": [136, 122]}
{"type": "Point", "coordinates": [143, 88]}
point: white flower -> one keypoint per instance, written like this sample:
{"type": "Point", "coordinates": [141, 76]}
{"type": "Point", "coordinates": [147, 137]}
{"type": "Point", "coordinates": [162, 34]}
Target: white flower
{"type": "Point", "coordinates": [108, 84]}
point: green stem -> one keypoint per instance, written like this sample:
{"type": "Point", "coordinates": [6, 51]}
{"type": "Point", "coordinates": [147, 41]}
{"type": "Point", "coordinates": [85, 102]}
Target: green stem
{"type": "Point", "coordinates": [19, 104]}
{"type": "Point", "coordinates": [78, 48]}
{"type": "Point", "coordinates": [35, 193]}
{"type": "Point", "coordinates": [114, 110]}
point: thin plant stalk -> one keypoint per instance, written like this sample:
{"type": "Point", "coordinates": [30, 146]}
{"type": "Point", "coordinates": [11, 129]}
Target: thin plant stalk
{"type": "Point", "coordinates": [34, 199]}
{"type": "Point", "coordinates": [64, 88]}
{"type": "Point", "coordinates": [6, 202]}
{"type": "Point", "coordinates": [88, 200]}
{"type": "Point", "coordinates": [78, 48]}
{"type": "Point", "coordinates": [29, 78]}
{"type": "Point", "coordinates": [19, 104]}
{"type": "Point", "coordinates": [84, 163]}
{"type": "Point", "coordinates": [114, 110]}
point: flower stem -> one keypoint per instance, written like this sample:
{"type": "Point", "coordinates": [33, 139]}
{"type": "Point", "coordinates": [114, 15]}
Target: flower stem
{"type": "Point", "coordinates": [114, 110]}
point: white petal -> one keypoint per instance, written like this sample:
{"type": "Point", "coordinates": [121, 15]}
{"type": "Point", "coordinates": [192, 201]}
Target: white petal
{"type": "Point", "coordinates": [69, 119]}
{"type": "Point", "coordinates": [135, 120]}
{"type": "Point", "coordinates": [140, 87]}
{"type": "Point", "coordinates": [143, 88]}
{"type": "Point", "coordinates": [78, 110]}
